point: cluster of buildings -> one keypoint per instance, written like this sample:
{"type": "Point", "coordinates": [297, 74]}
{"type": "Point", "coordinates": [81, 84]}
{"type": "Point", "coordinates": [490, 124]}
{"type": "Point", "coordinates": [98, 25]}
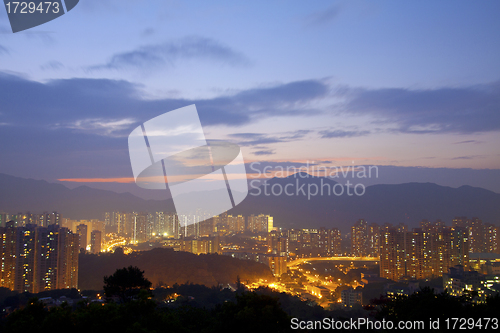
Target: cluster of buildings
{"type": "Point", "coordinates": [270, 245]}
{"type": "Point", "coordinates": [366, 238]}
{"type": "Point", "coordinates": [38, 258]}
{"type": "Point", "coordinates": [90, 231]}
{"type": "Point", "coordinates": [141, 227]}
{"type": "Point", "coordinates": [40, 251]}
{"type": "Point", "coordinates": [424, 252]}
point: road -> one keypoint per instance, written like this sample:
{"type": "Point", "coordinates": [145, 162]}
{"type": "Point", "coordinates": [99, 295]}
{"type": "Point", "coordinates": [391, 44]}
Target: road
{"type": "Point", "coordinates": [297, 262]}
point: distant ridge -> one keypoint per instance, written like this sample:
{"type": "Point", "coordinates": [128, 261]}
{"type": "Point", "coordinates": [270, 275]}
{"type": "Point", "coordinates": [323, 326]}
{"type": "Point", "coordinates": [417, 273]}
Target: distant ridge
{"type": "Point", "coordinates": [20, 195]}
{"type": "Point", "coordinates": [407, 203]}
{"type": "Point", "coordinates": [401, 203]}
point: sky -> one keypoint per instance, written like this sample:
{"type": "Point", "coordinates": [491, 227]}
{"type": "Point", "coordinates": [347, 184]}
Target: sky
{"type": "Point", "coordinates": [410, 86]}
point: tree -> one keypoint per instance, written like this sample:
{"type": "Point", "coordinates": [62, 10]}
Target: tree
{"type": "Point", "coordinates": [126, 283]}
{"type": "Point", "coordinates": [251, 313]}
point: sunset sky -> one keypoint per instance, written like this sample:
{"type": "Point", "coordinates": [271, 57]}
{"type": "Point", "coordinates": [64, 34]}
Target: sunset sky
{"type": "Point", "coordinates": [411, 86]}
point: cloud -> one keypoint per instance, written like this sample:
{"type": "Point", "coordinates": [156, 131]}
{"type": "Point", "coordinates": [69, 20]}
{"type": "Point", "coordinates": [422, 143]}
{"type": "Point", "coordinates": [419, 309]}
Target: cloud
{"type": "Point", "coordinates": [152, 56]}
{"type": "Point", "coordinates": [76, 126]}
{"type": "Point", "coordinates": [471, 157]}
{"type": "Point", "coordinates": [327, 134]}
{"type": "Point", "coordinates": [95, 105]}
{"type": "Point", "coordinates": [52, 65]}
{"type": "Point", "coordinates": [264, 152]}
{"type": "Point", "coordinates": [108, 127]}
{"type": "Point", "coordinates": [73, 102]}
{"type": "Point", "coordinates": [468, 141]}
{"type": "Point", "coordinates": [444, 110]}
{"type": "Point", "coordinates": [256, 139]}
{"type": "Point", "coordinates": [324, 16]}
{"type": "Point", "coordinates": [253, 139]}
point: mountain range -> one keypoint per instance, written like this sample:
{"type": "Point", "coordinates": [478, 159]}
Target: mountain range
{"type": "Point", "coordinates": [402, 203]}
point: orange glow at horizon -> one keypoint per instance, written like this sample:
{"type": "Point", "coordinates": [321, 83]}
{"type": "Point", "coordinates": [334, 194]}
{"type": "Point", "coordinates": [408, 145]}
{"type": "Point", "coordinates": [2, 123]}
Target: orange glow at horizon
{"type": "Point", "coordinates": [98, 180]}
{"type": "Point", "coordinates": [316, 168]}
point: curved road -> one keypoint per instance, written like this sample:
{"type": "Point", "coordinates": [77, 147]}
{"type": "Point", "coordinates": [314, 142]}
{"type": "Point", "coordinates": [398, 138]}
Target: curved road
{"type": "Point", "coordinates": [302, 260]}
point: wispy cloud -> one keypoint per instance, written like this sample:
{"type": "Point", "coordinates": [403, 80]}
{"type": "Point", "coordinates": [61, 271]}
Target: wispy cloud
{"type": "Point", "coordinates": [471, 157]}
{"type": "Point", "coordinates": [168, 53]}
{"type": "Point", "coordinates": [327, 134]}
{"type": "Point", "coordinates": [114, 127]}
{"type": "Point", "coordinates": [468, 141]}
{"type": "Point", "coordinates": [264, 152]}
{"type": "Point", "coordinates": [256, 139]}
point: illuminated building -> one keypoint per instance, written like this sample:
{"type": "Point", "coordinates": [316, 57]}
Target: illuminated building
{"type": "Point", "coordinates": [422, 254]}
{"type": "Point", "coordinates": [392, 254]}
{"type": "Point", "coordinates": [458, 281]}
{"type": "Point", "coordinates": [260, 223]}
{"type": "Point", "coordinates": [207, 227]}
{"type": "Point", "coordinates": [68, 259]}
{"type": "Point", "coordinates": [82, 230]}
{"type": "Point", "coordinates": [236, 223]}
{"type": "Point", "coordinates": [334, 242]}
{"type": "Point", "coordinates": [323, 241]}
{"type": "Point", "coordinates": [483, 237]}
{"type": "Point", "coordinates": [277, 264]}
{"type": "Point", "coordinates": [25, 253]}
{"type": "Point", "coordinates": [139, 227]}
{"type": "Point", "coordinates": [318, 291]}
{"type": "Point", "coordinates": [277, 244]}
{"type": "Point", "coordinates": [203, 245]}
{"type": "Point", "coordinates": [35, 259]}
{"type": "Point", "coordinates": [351, 297]}
{"type": "Point", "coordinates": [160, 225]}
{"type": "Point", "coordinates": [304, 243]}
{"type": "Point", "coordinates": [491, 238]}
{"type": "Point", "coordinates": [47, 249]}
{"type": "Point", "coordinates": [8, 254]}
{"type": "Point", "coordinates": [95, 241]}
{"type": "Point", "coordinates": [364, 239]}
{"type": "Point", "coordinates": [173, 225]}
{"type": "Point", "coordinates": [476, 234]}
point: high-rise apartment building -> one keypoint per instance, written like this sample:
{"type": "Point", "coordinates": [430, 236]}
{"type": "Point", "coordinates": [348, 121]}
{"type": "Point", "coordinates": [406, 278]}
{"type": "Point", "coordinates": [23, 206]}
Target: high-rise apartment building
{"type": "Point", "coordinates": [483, 237]}
{"type": "Point", "coordinates": [359, 239]}
{"type": "Point", "coordinates": [277, 243]}
{"type": "Point", "coordinates": [334, 242]}
{"type": "Point", "coordinates": [421, 253]}
{"type": "Point", "coordinates": [34, 259]}
{"type": "Point", "coordinates": [260, 223]}
{"type": "Point", "coordinates": [82, 230]}
{"type": "Point", "coordinates": [491, 237]}
{"type": "Point", "coordinates": [236, 223]}
{"type": "Point", "coordinates": [95, 241]}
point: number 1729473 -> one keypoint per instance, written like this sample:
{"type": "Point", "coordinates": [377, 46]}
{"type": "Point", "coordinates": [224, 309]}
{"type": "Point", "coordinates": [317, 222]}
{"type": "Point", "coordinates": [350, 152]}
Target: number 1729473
{"type": "Point", "coordinates": [23, 7]}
